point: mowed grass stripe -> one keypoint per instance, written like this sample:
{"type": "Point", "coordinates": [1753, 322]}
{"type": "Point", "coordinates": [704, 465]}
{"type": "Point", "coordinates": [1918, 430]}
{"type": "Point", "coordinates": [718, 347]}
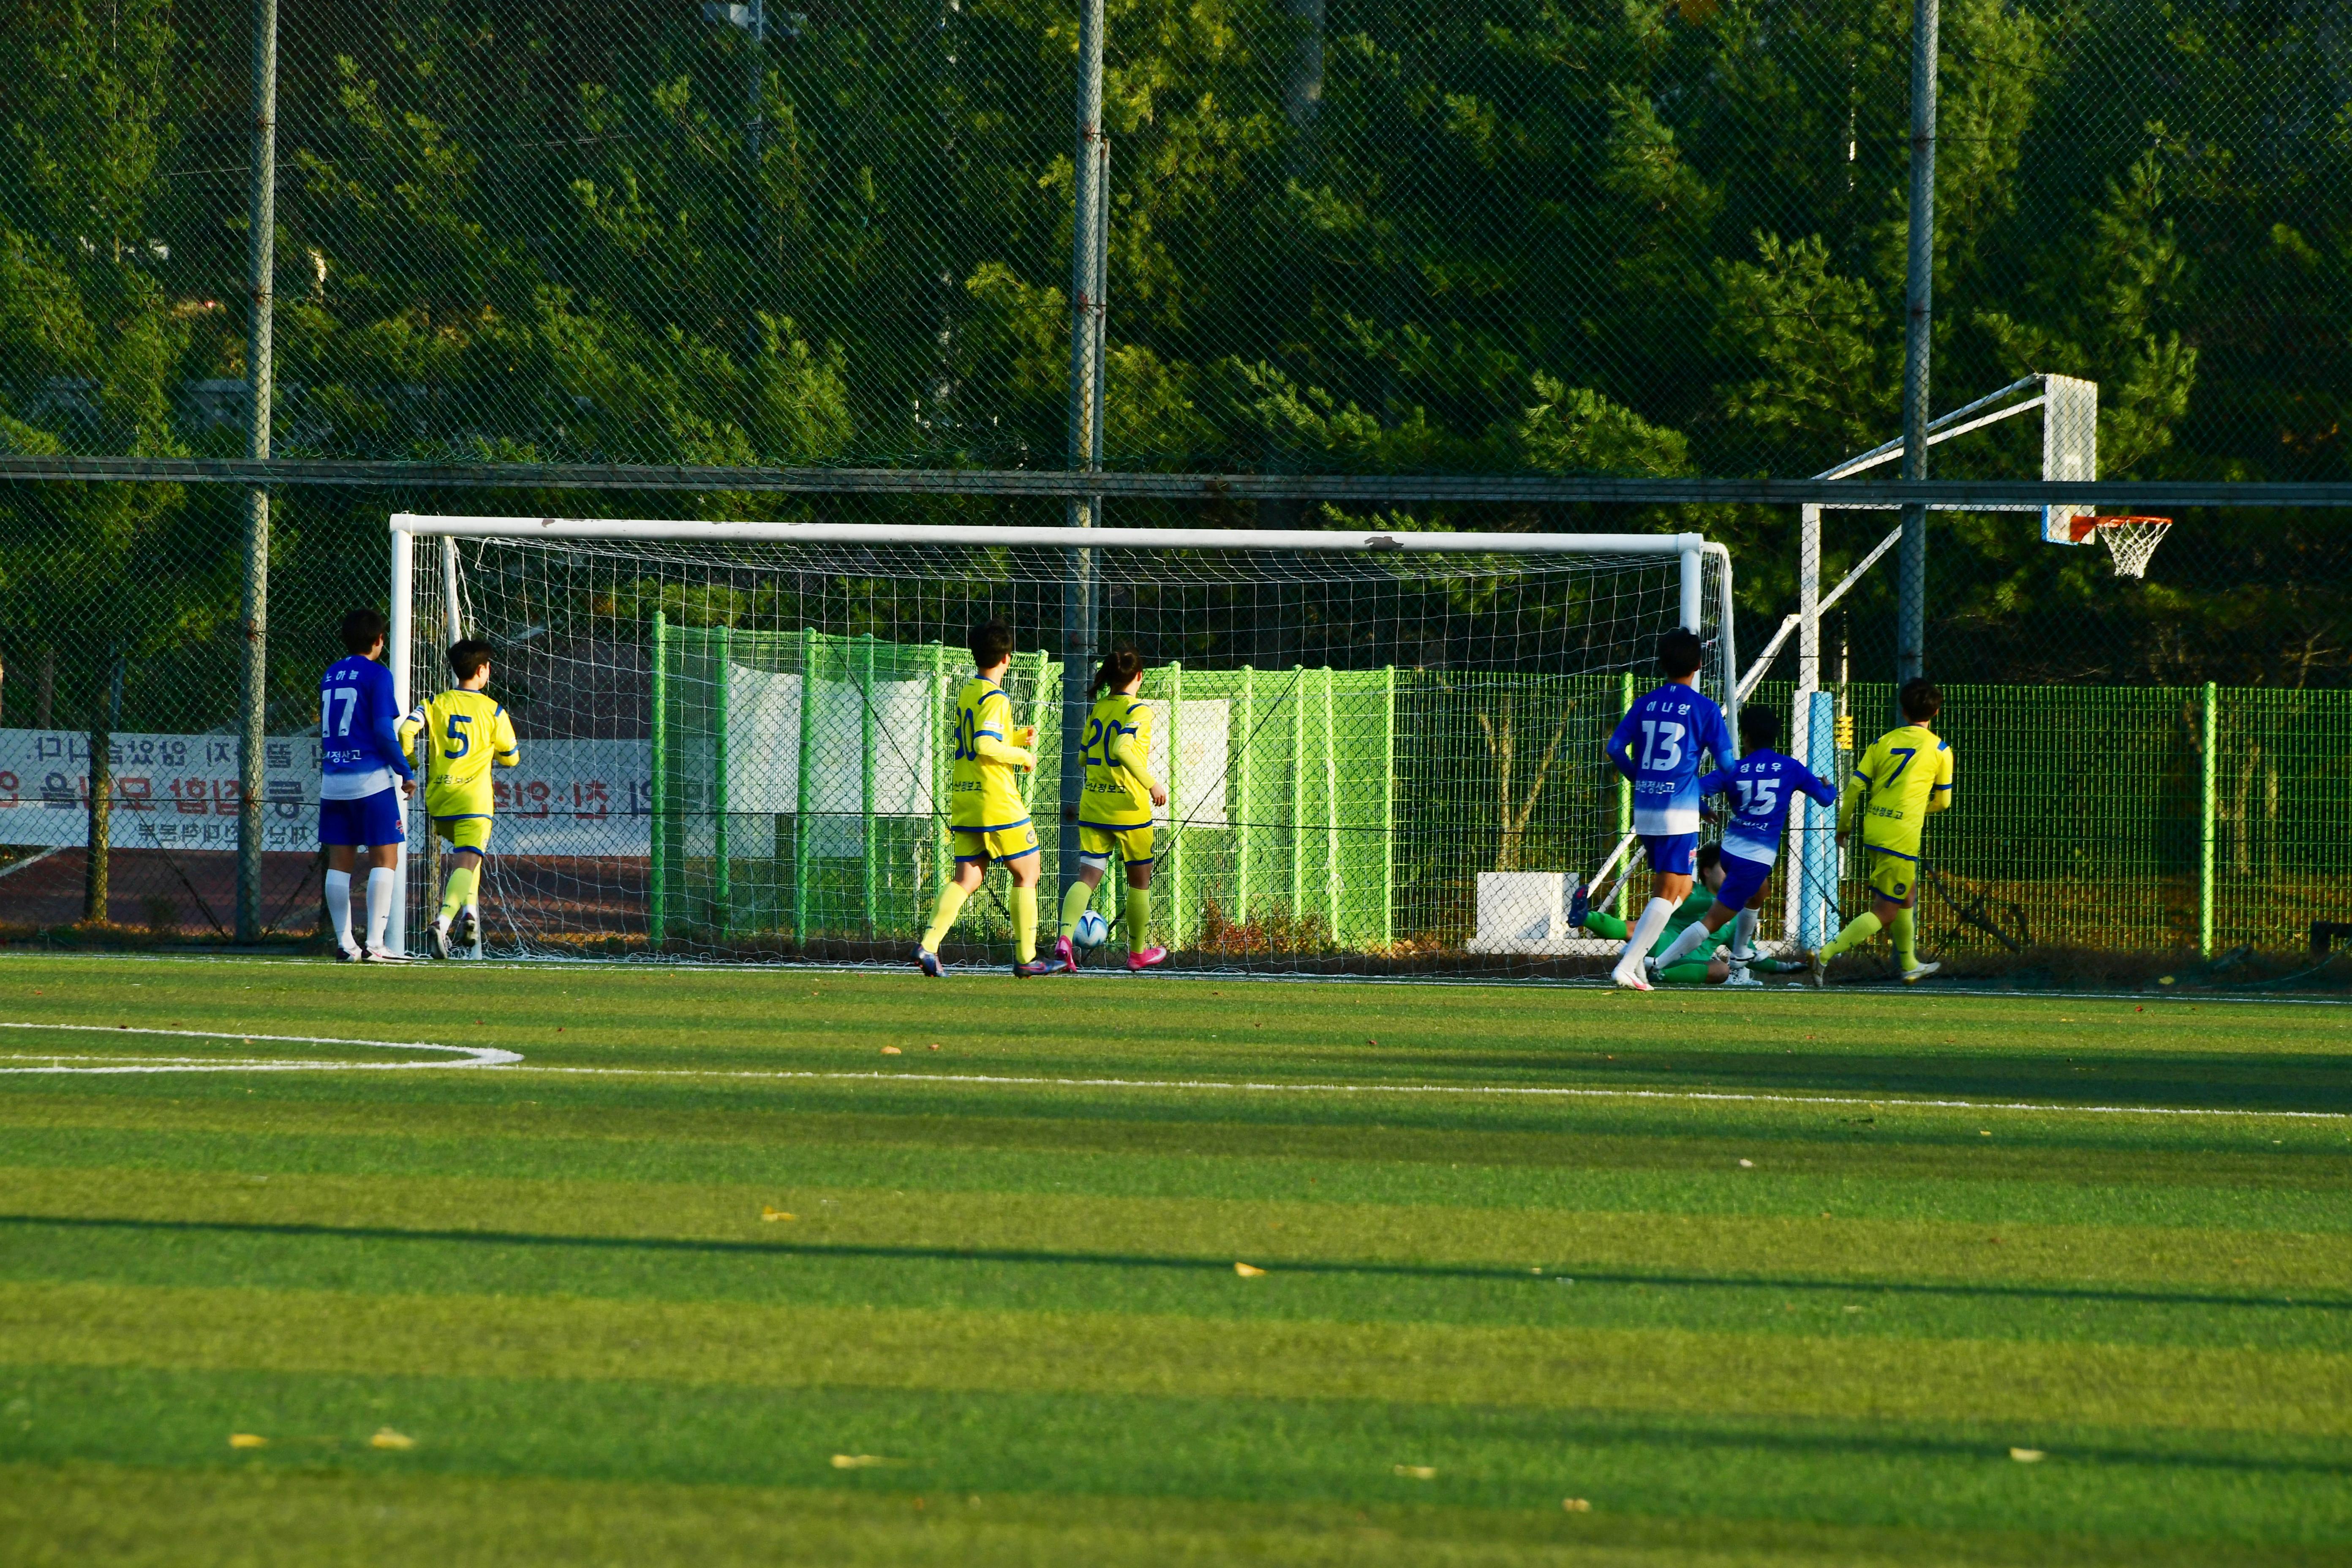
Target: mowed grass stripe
{"type": "Point", "coordinates": [1218, 1452]}
{"type": "Point", "coordinates": [1309, 1130]}
{"type": "Point", "coordinates": [733, 1344]}
{"type": "Point", "coordinates": [135, 1517]}
{"type": "Point", "coordinates": [1690, 1178]}
{"type": "Point", "coordinates": [2007, 1048]}
{"type": "Point", "coordinates": [1857, 1251]}
{"type": "Point", "coordinates": [831, 1275]}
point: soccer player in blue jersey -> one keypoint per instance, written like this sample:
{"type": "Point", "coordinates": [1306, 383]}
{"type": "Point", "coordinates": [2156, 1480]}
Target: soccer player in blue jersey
{"type": "Point", "coordinates": [363, 771]}
{"type": "Point", "coordinates": [1657, 746]}
{"type": "Point", "coordinates": [1763, 785]}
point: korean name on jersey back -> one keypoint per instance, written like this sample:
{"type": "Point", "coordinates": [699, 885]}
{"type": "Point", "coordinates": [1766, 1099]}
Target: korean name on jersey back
{"type": "Point", "coordinates": [1763, 785]}
{"type": "Point", "coordinates": [1658, 745]}
{"type": "Point", "coordinates": [354, 699]}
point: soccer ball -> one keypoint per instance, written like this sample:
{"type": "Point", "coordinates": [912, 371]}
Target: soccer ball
{"type": "Point", "coordinates": [1093, 932]}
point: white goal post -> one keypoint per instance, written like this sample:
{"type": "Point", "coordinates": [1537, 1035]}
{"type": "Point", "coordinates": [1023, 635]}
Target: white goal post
{"type": "Point", "coordinates": [784, 682]}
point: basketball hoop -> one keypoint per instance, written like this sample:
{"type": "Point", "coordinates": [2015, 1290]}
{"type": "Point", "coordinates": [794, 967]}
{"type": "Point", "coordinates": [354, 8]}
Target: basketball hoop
{"type": "Point", "coordinates": [2130, 540]}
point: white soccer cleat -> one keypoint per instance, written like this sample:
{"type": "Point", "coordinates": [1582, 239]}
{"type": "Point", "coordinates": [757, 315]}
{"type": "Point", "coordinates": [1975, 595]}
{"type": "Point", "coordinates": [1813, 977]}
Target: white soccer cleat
{"type": "Point", "coordinates": [1740, 980]}
{"type": "Point", "coordinates": [1630, 977]}
{"type": "Point", "coordinates": [438, 933]}
{"type": "Point", "coordinates": [1816, 967]}
{"type": "Point", "coordinates": [1918, 972]}
{"type": "Point", "coordinates": [383, 955]}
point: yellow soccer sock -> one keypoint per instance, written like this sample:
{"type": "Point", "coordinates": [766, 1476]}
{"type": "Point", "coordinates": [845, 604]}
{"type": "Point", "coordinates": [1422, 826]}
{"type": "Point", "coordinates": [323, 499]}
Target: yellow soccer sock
{"type": "Point", "coordinates": [1859, 929]}
{"type": "Point", "coordinates": [1905, 931]}
{"type": "Point", "coordinates": [943, 914]}
{"type": "Point", "coordinates": [458, 890]}
{"type": "Point", "coordinates": [1138, 919]}
{"type": "Point", "coordinates": [1074, 904]}
{"type": "Point", "coordinates": [1024, 924]}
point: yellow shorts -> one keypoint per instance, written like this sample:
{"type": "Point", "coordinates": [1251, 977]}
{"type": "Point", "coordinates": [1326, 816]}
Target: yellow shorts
{"type": "Point", "coordinates": [984, 845]}
{"type": "Point", "coordinates": [465, 832]}
{"type": "Point", "coordinates": [1892, 874]}
{"type": "Point", "coordinates": [1132, 843]}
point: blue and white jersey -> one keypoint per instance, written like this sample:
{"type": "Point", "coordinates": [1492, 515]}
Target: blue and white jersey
{"type": "Point", "coordinates": [1763, 785]}
{"type": "Point", "coordinates": [1657, 746]}
{"type": "Point", "coordinates": [359, 731]}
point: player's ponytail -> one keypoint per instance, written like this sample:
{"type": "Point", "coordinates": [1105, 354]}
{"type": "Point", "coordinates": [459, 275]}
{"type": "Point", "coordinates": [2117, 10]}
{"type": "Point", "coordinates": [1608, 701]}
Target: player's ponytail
{"type": "Point", "coordinates": [1120, 666]}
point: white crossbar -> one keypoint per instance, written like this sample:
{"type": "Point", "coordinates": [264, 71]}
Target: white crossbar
{"type": "Point", "coordinates": [879, 533]}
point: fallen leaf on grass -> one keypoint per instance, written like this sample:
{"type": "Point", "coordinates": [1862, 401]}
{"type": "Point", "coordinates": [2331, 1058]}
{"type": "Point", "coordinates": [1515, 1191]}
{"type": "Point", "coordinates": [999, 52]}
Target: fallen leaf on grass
{"type": "Point", "coordinates": [385, 1437]}
{"type": "Point", "coordinates": [892, 1051]}
{"type": "Point", "coordinates": [1746, 1164]}
{"type": "Point", "coordinates": [1247, 1272]}
{"type": "Point", "coordinates": [858, 1461]}
{"type": "Point", "coordinates": [934, 1045]}
{"type": "Point", "coordinates": [773, 1214]}
{"type": "Point", "coordinates": [2028, 1456]}
{"type": "Point", "coordinates": [1575, 1505]}
{"type": "Point", "coordinates": [1418, 1472]}
{"type": "Point", "coordinates": [248, 1440]}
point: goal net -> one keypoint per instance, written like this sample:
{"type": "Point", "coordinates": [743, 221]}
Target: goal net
{"type": "Point", "coordinates": [1384, 750]}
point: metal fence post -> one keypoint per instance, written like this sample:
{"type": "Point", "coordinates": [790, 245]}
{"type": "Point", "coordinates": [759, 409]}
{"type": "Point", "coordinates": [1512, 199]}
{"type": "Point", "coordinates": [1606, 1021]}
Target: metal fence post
{"type": "Point", "coordinates": [2209, 818]}
{"type": "Point", "coordinates": [1911, 573]}
{"type": "Point", "coordinates": [657, 792]}
{"type": "Point", "coordinates": [866, 773]}
{"type": "Point", "coordinates": [254, 612]}
{"type": "Point", "coordinates": [1624, 796]}
{"type": "Point", "coordinates": [1335, 878]}
{"type": "Point", "coordinates": [105, 717]}
{"type": "Point", "coordinates": [1387, 805]}
{"type": "Point", "coordinates": [1242, 814]}
{"type": "Point", "coordinates": [723, 877]}
{"type": "Point", "coordinates": [941, 865]}
{"type": "Point", "coordinates": [805, 742]}
{"type": "Point", "coordinates": [1176, 805]}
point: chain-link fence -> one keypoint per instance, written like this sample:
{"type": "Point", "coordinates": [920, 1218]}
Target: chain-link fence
{"type": "Point", "coordinates": [1650, 241]}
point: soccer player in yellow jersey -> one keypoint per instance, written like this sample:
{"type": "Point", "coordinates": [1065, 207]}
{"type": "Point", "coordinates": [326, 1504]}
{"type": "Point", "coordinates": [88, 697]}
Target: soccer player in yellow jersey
{"type": "Point", "coordinates": [457, 738]}
{"type": "Point", "coordinates": [985, 813]}
{"type": "Point", "coordinates": [1905, 778]}
{"type": "Point", "coordinates": [1115, 811]}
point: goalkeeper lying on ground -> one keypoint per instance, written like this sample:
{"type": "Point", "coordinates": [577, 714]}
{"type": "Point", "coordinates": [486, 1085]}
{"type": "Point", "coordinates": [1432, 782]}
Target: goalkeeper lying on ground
{"type": "Point", "coordinates": [1706, 965]}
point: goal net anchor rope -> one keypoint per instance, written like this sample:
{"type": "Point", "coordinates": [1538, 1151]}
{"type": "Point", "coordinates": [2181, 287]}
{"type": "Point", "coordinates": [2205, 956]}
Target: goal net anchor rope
{"type": "Point", "coordinates": [736, 627]}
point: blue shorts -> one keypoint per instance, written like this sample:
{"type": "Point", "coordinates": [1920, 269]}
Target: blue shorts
{"type": "Point", "coordinates": [364, 823]}
{"type": "Point", "coordinates": [1671, 854]}
{"type": "Point", "coordinates": [1742, 879]}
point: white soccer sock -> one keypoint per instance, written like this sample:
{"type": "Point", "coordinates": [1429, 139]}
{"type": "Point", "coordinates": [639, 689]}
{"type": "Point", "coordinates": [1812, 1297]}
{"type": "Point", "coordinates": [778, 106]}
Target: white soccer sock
{"type": "Point", "coordinates": [1743, 936]}
{"type": "Point", "coordinates": [1684, 945]}
{"type": "Point", "coordinates": [1654, 916]}
{"type": "Point", "coordinates": [339, 906]}
{"type": "Point", "coordinates": [382, 880]}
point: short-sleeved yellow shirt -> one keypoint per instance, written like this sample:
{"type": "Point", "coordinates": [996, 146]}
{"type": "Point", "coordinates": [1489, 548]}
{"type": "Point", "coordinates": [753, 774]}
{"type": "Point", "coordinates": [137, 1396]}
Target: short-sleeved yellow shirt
{"type": "Point", "coordinates": [464, 733]}
{"type": "Point", "coordinates": [982, 795]}
{"type": "Point", "coordinates": [1905, 775]}
{"type": "Point", "coordinates": [1115, 796]}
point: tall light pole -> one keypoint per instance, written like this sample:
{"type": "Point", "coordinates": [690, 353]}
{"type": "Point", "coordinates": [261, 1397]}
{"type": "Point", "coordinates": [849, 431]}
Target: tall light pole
{"type": "Point", "coordinates": [261, 250]}
{"type": "Point", "coordinates": [1911, 562]}
{"type": "Point", "coordinates": [1079, 606]}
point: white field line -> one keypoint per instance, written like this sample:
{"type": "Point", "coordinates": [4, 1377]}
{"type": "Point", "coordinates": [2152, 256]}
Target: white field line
{"type": "Point", "coordinates": [467, 1056]}
{"type": "Point", "coordinates": [1218, 1086]}
{"type": "Point", "coordinates": [761, 968]}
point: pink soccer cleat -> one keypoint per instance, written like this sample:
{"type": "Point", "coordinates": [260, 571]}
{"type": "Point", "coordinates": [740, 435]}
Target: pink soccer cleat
{"type": "Point", "coordinates": [1150, 958]}
{"type": "Point", "coordinates": [1065, 955]}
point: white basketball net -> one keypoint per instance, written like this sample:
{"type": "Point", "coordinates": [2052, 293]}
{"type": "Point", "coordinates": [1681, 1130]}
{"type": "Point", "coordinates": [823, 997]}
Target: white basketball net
{"type": "Point", "coordinates": [2132, 540]}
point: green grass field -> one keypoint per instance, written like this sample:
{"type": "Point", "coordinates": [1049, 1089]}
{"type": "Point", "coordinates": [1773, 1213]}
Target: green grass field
{"type": "Point", "coordinates": [708, 1276]}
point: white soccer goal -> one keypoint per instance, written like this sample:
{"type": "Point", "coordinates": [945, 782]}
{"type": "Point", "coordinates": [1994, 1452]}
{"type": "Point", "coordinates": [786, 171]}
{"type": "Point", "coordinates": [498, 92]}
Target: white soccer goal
{"type": "Point", "coordinates": [735, 735]}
